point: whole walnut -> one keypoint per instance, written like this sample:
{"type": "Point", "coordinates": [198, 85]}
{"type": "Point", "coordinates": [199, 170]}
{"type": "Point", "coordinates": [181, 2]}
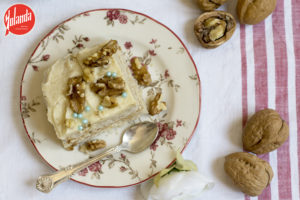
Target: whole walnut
{"type": "Point", "coordinates": [253, 12]}
{"type": "Point", "coordinates": [209, 5]}
{"type": "Point", "coordinates": [250, 173]}
{"type": "Point", "coordinates": [265, 131]}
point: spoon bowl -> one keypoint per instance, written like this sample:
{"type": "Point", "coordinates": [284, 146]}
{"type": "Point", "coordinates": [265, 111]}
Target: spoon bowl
{"type": "Point", "coordinates": [139, 137]}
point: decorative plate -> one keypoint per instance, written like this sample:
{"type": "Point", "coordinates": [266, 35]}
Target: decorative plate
{"type": "Point", "coordinates": [173, 72]}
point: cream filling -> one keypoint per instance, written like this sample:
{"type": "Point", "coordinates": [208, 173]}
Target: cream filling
{"type": "Point", "coordinates": [55, 86]}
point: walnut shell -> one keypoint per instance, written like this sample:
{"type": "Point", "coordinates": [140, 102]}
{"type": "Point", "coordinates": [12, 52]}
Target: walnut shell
{"type": "Point", "coordinates": [250, 173]}
{"type": "Point", "coordinates": [214, 28]}
{"type": "Point", "coordinates": [265, 131]}
{"type": "Point", "coordinates": [209, 5]}
{"type": "Point", "coordinates": [253, 12]}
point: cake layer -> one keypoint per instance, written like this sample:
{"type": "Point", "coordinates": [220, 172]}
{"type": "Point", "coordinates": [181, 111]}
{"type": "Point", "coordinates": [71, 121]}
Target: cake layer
{"type": "Point", "coordinates": [69, 127]}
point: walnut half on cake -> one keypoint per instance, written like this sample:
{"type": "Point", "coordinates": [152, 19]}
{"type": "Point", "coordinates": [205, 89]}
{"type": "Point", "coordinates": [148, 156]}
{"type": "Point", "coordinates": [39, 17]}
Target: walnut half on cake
{"type": "Point", "coordinates": [90, 92]}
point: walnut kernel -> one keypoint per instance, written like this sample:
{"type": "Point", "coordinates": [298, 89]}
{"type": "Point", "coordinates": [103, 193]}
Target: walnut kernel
{"type": "Point", "coordinates": [140, 72]}
{"type": "Point", "coordinates": [214, 28]}
{"type": "Point", "coordinates": [109, 102]}
{"type": "Point", "coordinates": [116, 83]}
{"type": "Point", "coordinates": [76, 93]}
{"type": "Point", "coordinates": [92, 145]}
{"type": "Point", "coordinates": [102, 56]}
{"type": "Point", "coordinates": [155, 107]}
{"type": "Point", "coordinates": [108, 88]}
{"type": "Point", "coordinates": [209, 5]}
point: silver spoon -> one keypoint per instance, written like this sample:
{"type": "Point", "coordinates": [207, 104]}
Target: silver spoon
{"type": "Point", "coordinates": [135, 139]}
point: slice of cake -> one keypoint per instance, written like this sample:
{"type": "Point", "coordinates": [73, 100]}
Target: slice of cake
{"type": "Point", "coordinates": [90, 92]}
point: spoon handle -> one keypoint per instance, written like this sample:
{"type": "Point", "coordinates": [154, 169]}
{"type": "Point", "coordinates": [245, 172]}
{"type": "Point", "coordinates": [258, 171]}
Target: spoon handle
{"type": "Point", "coordinates": [45, 183]}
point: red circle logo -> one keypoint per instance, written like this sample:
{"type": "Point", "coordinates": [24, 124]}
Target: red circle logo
{"type": "Point", "coordinates": [19, 19]}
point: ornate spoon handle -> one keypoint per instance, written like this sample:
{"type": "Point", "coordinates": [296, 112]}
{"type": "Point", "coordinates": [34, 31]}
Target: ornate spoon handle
{"type": "Point", "coordinates": [45, 183]}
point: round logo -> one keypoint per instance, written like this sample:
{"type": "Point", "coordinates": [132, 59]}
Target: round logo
{"type": "Point", "coordinates": [19, 19]}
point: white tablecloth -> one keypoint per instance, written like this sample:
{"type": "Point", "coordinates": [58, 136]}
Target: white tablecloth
{"type": "Point", "coordinates": [227, 74]}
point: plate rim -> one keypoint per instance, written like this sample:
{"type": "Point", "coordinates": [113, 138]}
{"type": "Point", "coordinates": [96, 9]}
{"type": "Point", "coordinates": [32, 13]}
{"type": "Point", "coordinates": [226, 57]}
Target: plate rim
{"type": "Point", "coordinates": [106, 9]}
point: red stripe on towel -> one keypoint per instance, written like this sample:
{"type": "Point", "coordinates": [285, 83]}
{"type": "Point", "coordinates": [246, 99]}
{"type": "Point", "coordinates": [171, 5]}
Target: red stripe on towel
{"type": "Point", "coordinates": [296, 29]}
{"type": "Point", "coordinates": [244, 73]}
{"type": "Point", "coordinates": [281, 76]}
{"type": "Point", "coordinates": [261, 82]}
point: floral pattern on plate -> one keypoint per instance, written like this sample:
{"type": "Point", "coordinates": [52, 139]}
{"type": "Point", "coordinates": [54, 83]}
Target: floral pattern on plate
{"type": "Point", "coordinates": [173, 73]}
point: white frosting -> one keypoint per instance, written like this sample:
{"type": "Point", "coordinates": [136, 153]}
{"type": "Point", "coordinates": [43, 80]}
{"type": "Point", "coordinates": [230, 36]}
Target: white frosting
{"type": "Point", "coordinates": [55, 88]}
